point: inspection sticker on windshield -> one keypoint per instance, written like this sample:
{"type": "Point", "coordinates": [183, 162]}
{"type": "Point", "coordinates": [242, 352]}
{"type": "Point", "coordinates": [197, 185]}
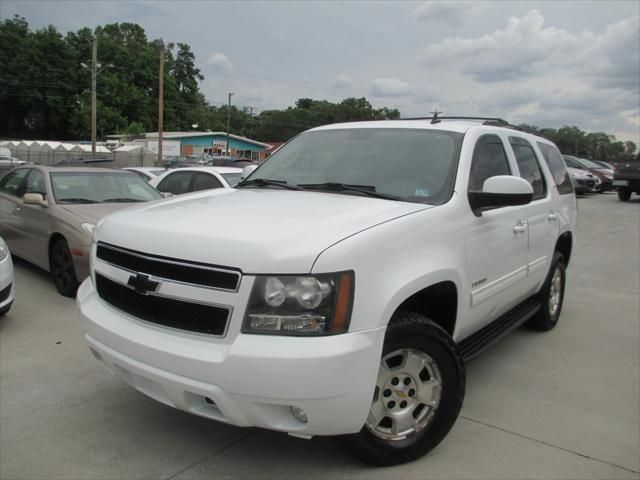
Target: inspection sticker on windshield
{"type": "Point", "coordinates": [422, 192]}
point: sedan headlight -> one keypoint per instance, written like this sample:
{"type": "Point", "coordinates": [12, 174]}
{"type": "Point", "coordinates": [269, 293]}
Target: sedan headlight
{"type": "Point", "coordinates": [89, 228]}
{"type": "Point", "coordinates": [302, 305]}
{"type": "Point", "coordinates": [4, 250]}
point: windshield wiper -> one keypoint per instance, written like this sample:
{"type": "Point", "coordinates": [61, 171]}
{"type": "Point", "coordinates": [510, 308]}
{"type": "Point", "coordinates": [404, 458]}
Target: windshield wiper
{"type": "Point", "coordinates": [121, 200]}
{"type": "Point", "coordinates": [77, 200]}
{"type": "Point", "coordinates": [368, 190]}
{"type": "Point", "coordinates": [265, 182]}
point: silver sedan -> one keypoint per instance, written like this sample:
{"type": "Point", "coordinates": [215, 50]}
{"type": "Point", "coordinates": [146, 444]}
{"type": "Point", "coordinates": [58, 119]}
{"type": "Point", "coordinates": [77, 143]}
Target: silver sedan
{"type": "Point", "coordinates": [47, 214]}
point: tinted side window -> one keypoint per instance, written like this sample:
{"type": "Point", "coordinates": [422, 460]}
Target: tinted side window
{"type": "Point", "coordinates": [176, 183]}
{"type": "Point", "coordinates": [10, 184]}
{"type": "Point", "coordinates": [555, 163]}
{"type": "Point", "coordinates": [489, 159]}
{"type": "Point", "coordinates": [528, 165]}
{"type": "Point", "coordinates": [204, 181]}
{"type": "Point", "coordinates": [35, 183]}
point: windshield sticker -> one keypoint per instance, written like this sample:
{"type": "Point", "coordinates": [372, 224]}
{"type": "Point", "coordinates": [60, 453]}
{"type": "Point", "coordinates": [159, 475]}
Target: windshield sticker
{"type": "Point", "coordinates": [422, 192]}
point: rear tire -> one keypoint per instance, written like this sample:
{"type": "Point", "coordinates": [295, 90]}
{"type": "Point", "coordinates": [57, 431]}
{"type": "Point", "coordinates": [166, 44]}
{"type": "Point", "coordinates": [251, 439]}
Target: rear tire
{"type": "Point", "coordinates": [64, 273]}
{"type": "Point", "coordinates": [624, 194]}
{"type": "Point", "coordinates": [551, 295]}
{"type": "Point", "coordinates": [418, 394]}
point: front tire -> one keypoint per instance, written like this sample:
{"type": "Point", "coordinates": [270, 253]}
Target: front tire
{"type": "Point", "coordinates": [418, 393]}
{"type": "Point", "coordinates": [551, 295]}
{"type": "Point", "coordinates": [624, 194]}
{"type": "Point", "coordinates": [64, 273]}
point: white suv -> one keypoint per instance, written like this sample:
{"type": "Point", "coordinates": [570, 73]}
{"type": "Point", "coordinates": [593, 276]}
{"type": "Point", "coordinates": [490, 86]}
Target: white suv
{"type": "Point", "coordinates": [339, 289]}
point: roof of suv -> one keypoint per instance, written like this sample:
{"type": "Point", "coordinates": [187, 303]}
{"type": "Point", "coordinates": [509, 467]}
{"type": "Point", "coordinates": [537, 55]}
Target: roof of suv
{"type": "Point", "coordinates": [460, 126]}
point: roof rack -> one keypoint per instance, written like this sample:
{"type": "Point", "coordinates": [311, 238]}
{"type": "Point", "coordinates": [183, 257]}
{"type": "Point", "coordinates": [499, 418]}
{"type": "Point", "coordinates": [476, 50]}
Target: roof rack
{"type": "Point", "coordinates": [487, 120]}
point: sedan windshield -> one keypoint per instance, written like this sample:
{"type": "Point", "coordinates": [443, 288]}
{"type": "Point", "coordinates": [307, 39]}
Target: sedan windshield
{"type": "Point", "coordinates": [100, 187]}
{"type": "Point", "coordinates": [414, 165]}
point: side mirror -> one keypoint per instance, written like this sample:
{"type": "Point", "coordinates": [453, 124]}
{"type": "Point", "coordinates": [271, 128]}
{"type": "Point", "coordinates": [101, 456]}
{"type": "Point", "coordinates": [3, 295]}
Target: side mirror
{"type": "Point", "coordinates": [166, 194]}
{"type": "Point", "coordinates": [246, 171]}
{"type": "Point", "coordinates": [501, 191]}
{"type": "Point", "coordinates": [34, 199]}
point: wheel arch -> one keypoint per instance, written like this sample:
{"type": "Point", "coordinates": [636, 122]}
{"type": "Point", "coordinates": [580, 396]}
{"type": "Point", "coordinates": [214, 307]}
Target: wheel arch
{"type": "Point", "coordinates": [564, 245]}
{"type": "Point", "coordinates": [437, 301]}
{"type": "Point", "coordinates": [53, 239]}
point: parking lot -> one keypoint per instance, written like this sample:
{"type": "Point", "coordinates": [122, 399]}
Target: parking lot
{"type": "Point", "coordinates": [563, 404]}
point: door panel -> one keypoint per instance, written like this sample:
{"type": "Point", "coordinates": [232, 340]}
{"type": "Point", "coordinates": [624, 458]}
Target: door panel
{"type": "Point", "coordinates": [496, 243]}
{"type": "Point", "coordinates": [541, 217]}
{"type": "Point", "coordinates": [10, 206]}
{"type": "Point", "coordinates": [35, 222]}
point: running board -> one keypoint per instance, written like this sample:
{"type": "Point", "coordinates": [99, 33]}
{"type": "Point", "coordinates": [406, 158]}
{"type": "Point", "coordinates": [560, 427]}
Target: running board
{"type": "Point", "coordinates": [486, 336]}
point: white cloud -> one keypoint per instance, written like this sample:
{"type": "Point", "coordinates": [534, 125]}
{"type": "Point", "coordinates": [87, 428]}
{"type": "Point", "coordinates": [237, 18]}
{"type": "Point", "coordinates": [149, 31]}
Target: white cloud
{"type": "Point", "coordinates": [525, 48]}
{"type": "Point", "coordinates": [342, 81]}
{"type": "Point", "coordinates": [219, 61]}
{"type": "Point", "coordinates": [389, 87]}
{"type": "Point", "coordinates": [451, 12]}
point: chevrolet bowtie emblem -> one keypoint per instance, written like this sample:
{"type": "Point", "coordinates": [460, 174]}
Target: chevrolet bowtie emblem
{"type": "Point", "coordinates": [142, 284]}
{"type": "Point", "coordinates": [401, 394]}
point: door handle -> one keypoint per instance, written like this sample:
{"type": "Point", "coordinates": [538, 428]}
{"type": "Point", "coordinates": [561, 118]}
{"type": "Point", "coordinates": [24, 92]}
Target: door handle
{"type": "Point", "coordinates": [520, 227]}
{"type": "Point", "coordinates": [16, 210]}
{"type": "Point", "coordinates": [552, 217]}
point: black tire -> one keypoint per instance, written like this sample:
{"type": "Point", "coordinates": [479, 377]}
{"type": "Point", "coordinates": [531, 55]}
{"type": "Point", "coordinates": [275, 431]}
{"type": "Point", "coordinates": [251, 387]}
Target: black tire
{"type": "Point", "coordinates": [624, 194]}
{"type": "Point", "coordinates": [415, 332]}
{"type": "Point", "coordinates": [64, 273]}
{"type": "Point", "coordinates": [547, 317]}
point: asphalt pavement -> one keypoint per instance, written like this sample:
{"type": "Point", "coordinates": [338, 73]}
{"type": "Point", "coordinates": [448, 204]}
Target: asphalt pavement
{"type": "Point", "coordinates": [562, 404]}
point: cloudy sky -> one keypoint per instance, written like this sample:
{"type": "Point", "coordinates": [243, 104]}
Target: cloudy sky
{"type": "Point", "coordinates": [547, 63]}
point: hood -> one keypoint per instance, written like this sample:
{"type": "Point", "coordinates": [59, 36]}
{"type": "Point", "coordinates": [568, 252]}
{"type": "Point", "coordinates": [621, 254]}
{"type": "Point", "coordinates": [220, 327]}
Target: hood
{"type": "Point", "coordinates": [255, 230]}
{"type": "Point", "coordinates": [93, 212]}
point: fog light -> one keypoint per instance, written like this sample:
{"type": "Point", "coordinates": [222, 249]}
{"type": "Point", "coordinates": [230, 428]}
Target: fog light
{"type": "Point", "coordinates": [300, 415]}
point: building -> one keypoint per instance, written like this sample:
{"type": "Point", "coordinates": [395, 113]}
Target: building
{"type": "Point", "coordinates": [214, 143]}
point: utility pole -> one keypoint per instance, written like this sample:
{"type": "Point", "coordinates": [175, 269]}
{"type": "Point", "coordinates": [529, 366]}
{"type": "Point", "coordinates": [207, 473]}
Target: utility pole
{"type": "Point", "coordinates": [228, 121]}
{"type": "Point", "coordinates": [94, 99]}
{"type": "Point", "coordinates": [160, 43]}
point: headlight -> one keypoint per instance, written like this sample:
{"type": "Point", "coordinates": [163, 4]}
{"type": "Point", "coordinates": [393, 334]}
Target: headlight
{"type": "Point", "coordinates": [89, 228]}
{"type": "Point", "coordinates": [303, 305]}
{"type": "Point", "coordinates": [4, 250]}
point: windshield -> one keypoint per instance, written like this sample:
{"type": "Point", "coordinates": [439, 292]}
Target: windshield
{"type": "Point", "coordinates": [100, 187]}
{"type": "Point", "coordinates": [412, 165]}
{"type": "Point", "coordinates": [590, 164]}
{"type": "Point", "coordinates": [231, 178]}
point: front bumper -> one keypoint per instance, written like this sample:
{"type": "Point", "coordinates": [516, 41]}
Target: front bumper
{"type": "Point", "coordinates": [6, 282]}
{"type": "Point", "coordinates": [244, 380]}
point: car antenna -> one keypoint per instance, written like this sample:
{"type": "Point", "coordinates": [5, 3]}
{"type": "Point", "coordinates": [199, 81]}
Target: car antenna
{"type": "Point", "coordinates": [435, 118]}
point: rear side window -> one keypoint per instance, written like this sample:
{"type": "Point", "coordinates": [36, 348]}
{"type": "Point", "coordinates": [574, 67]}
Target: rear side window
{"type": "Point", "coordinates": [528, 166]}
{"type": "Point", "coordinates": [489, 159]}
{"type": "Point", "coordinates": [176, 183]}
{"type": "Point", "coordinates": [205, 181]}
{"type": "Point", "coordinates": [559, 172]}
{"type": "Point", "coordinates": [10, 184]}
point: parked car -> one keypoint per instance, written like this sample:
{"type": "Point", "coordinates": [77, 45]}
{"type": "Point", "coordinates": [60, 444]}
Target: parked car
{"type": "Point", "coordinates": [583, 181]}
{"type": "Point", "coordinates": [606, 165]}
{"type": "Point", "coordinates": [627, 178]}
{"type": "Point", "coordinates": [194, 179]}
{"type": "Point", "coordinates": [605, 175]}
{"type": "Point", "coordinates": [339, 289]}
{"type": "Point", "coordinates": [147, 173]}
{"type": "Point", "coordinates": [230, 162]}
{"type": "Point", "coordinates": [6, 278]}
{"type": "Point", "coordinates": [47, 214]}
